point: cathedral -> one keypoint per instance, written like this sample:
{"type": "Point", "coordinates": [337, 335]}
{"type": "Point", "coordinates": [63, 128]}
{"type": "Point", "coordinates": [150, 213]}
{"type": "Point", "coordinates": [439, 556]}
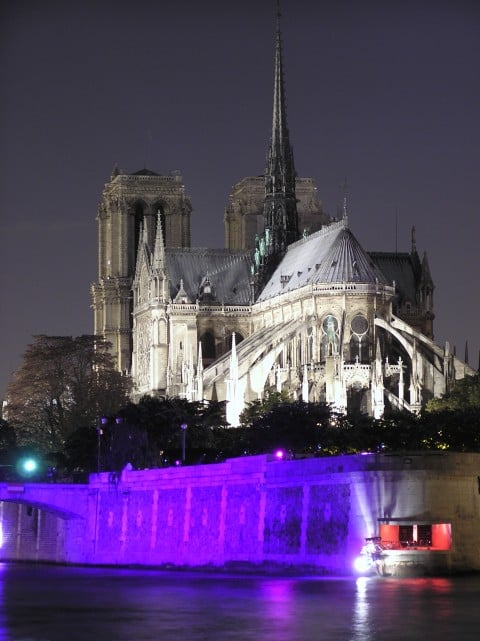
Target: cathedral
{"type": "Point", "coordinates": [293, 303]}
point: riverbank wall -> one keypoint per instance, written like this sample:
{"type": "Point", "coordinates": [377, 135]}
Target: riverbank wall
{"type": "Point", "coordinates": [312, 514]}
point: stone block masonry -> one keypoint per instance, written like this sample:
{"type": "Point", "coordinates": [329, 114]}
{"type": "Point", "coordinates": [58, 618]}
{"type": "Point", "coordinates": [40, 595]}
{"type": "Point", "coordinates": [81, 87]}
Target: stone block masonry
{"type": "Point", "coordinates": [307, 515]}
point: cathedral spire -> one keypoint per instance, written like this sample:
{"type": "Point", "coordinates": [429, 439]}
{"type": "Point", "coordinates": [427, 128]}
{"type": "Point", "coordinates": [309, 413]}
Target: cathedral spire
{"type": "Point", "coordinates": [279, 120]}
{"type": "Point", "coordinates": [280, 215]}
{"type": "Point", "coordinates": [159, 248]}
{"type": "Point", "coordinates": [280, 207]}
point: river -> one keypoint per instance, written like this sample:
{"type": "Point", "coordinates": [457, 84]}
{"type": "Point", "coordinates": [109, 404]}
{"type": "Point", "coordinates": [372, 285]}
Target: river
{"type": "Point", "coordinates": [56, 603]}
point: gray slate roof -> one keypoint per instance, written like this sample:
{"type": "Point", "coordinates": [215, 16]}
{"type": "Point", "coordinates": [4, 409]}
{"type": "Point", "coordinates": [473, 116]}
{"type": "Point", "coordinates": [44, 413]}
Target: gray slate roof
{"type": "Point", "coordinates": [331, 255]}
{"type": "Point", "coordinates": [228, 272]}
{"type": "Point", "coordinates": [400, 268]}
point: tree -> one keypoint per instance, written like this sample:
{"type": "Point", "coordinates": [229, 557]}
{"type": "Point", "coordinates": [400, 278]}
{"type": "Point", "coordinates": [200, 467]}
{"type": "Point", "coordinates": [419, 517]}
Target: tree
{"type": "Point", "coordinates": [280, 422]}
{"type": "Point", "coordinates": [452, 422]}
{"type": "Point", "coordinates": [161, 419]}
{"type": "Point", "coordinates": [261, 407]}
{"type": "Point", "coordinates": [7, 449]}
{"type": "Point", "coordinates": [81, 450]}
{"type": "Point", "coordinates": [64, 383]}
{"type": "Point", "coordinates": [464, 395]}
{"type": "Point", "coordinates": [8, 438]}
{"type": "Point", "coordinates": [452, 429]}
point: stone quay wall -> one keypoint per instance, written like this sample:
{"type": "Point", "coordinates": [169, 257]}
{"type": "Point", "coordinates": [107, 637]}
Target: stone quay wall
{"type": "Point", "coordinates": [307, 513]}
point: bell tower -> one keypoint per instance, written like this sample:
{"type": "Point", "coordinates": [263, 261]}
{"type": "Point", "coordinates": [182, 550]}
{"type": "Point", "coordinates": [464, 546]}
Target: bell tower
{"type": "Point", "coordinates": [130, 203]}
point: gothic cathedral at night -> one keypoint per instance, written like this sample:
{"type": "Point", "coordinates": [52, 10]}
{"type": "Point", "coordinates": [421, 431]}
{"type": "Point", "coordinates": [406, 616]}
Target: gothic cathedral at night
{"type": "Point", "coordinates": [293, 303]}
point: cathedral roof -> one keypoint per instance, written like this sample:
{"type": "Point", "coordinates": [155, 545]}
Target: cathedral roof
{"type": "Point", "coordinates": [331, 255]}
{"type": "Point", "coordinates": [228, 272]}
{"type": "Point", "coordinates": [401, 269]}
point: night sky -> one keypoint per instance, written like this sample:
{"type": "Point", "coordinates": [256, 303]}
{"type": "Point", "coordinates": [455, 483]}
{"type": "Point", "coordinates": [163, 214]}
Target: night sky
{"type": "Point", "coordinates": [384, 94]}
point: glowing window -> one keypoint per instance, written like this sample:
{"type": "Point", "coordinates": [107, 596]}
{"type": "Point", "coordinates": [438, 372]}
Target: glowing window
{"type": "Point", "coordinates": [432, 536]}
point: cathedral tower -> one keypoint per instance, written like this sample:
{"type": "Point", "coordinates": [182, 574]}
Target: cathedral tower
{"type": "Point", "coordinates": [244, 219]}
{"type": "Point", "coordinates": [131, 202]}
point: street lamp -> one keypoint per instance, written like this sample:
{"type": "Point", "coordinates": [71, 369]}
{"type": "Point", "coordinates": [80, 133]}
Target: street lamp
{"type": "Point", "coordinates": [183, 427]}
{"type": "Point", "coordinates": [103, 421]}
{"type": "Point", "coordinates": [27, 466]}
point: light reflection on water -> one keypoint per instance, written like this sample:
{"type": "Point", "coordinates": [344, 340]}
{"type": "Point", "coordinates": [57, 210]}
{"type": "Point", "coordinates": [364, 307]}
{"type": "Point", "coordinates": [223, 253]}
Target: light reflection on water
{"type": "Point", "coordinates": [360, 623]}
{"type": "Point", "coordinates": [48, 603]}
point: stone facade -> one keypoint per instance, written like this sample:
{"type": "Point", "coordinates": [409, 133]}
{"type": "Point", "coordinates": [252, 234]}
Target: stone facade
{"type": "Point", "coordinates": [131, 203]}
{"type": "Point", "coordinates": [313, 513]}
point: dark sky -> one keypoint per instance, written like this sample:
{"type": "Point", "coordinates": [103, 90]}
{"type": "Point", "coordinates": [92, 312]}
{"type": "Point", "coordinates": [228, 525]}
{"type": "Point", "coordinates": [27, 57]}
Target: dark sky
{"type": "Point", "coordinates": [384, 94]}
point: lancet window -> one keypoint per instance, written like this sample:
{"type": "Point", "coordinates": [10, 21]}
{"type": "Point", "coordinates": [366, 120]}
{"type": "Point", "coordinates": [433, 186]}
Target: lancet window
{"type": "Point", "coordinates": [208, 347]}
{"type": "Point", "coordinates": [330, 337]}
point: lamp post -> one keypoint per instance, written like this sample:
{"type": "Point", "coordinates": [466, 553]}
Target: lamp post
{"type": "Point", "coordinates": [183, 427]}
{"type": "Point", "coordinates": [103, 421]}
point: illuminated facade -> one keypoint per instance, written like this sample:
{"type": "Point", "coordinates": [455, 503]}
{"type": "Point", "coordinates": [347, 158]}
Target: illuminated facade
{"type": "Point", "coordinates": [132, 205]}
{"type": "Point", "coordinates": [422, 510]}
{"type": "Point", "coordinates": [294, 303]}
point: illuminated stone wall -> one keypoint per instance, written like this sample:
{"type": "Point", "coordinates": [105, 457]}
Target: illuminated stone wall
{"type": "Point", "coordinates": [298, 513]}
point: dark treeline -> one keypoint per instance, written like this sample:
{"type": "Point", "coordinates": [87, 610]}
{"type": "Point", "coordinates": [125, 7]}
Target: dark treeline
{"type": "Point", "coordinates": [149, 433]}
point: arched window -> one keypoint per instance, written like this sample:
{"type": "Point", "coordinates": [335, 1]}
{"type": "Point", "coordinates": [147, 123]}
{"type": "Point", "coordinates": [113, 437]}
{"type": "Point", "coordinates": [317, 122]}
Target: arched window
{"type": "Point", "coordinates": [299, 350]}
{"type": "Point", "coordinates": [330, 337]}
{"type": "Point", "coordinates": [208, 347]}
{"type": "Point", "coordinates": [309, 355]}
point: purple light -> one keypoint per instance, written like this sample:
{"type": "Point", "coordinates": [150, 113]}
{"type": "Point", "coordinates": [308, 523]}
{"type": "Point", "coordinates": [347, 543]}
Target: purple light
{"type": "Point", "coordinates": [280, 455]}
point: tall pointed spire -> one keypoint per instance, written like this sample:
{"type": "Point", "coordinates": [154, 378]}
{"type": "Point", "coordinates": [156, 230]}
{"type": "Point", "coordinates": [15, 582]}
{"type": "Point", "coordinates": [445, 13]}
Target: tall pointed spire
{"type": "Point", "coordinates": [142, 240]}
{"type": "Point", "coordinates": [159, 249]}
{"type": "Point", "coordinates": [199, 373]}
{"type": "Point", "coordinates": [235, 396]}
{"type": "Point", "coordinates": [280, 207]}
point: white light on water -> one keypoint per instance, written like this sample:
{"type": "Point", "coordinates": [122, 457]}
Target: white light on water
{"type": "Point", "coordinates": [362, 564]}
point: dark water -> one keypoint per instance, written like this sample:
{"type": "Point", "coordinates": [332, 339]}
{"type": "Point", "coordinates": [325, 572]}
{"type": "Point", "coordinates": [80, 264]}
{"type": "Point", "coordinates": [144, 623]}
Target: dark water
{"type": "Point", "coordinates": [45, 603]}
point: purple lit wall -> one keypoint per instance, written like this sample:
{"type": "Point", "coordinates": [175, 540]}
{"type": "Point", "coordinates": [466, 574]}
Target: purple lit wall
{"type": "Point", "coordinates": [301, 513]}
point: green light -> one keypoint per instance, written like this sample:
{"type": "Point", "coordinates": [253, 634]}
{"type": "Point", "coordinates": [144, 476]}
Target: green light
{"type": "Point", "coordinates": [28, 466]}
